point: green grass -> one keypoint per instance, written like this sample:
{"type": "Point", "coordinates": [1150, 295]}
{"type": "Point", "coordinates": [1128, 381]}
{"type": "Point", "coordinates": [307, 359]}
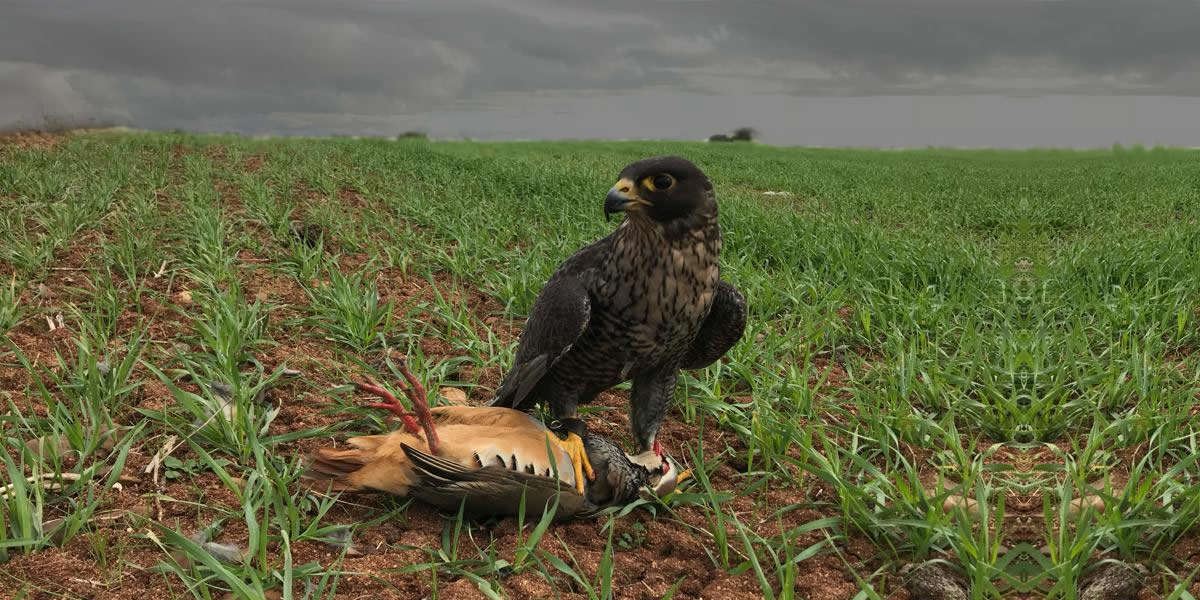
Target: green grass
{"type": "Point", "coordinates": [948, 354]}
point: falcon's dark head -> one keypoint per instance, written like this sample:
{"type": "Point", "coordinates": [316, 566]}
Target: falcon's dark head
{"type": "Point", "coordinates": [663, 188]}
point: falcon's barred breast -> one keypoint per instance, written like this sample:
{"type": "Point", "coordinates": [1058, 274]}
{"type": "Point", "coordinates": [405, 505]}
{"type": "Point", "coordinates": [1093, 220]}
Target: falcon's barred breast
{"type": "Point", "coordinates": [639, 304]}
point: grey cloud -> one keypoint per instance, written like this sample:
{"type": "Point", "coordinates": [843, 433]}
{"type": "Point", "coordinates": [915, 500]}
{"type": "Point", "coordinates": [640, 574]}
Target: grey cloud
{"type": "Point", "coordinates": [882, 46]}
{"type": "Point", "coordinates": [370, 66]}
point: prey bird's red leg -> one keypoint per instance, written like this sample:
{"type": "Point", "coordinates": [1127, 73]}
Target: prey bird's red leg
{"type": "Point", "coordinates": [416, 393]}
{"type": "Point", "coordinates": [392, 404]}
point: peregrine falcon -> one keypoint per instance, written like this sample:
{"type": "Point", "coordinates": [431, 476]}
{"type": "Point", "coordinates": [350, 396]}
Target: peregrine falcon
{"type": "Point", "coordinates": [637, 305]}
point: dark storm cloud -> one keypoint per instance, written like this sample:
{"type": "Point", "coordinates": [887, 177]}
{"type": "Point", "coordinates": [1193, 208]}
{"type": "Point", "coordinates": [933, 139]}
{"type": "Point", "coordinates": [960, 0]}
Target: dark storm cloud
{"type": "Point", "coordinates": [938, 46]}
{"type": "Point", "coordinates": [375, 67]}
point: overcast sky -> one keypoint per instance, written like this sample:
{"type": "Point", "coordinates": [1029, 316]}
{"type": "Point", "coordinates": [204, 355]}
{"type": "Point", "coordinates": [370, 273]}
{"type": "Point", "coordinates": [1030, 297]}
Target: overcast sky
{"type": "Point", "coordinates": [888, 73]}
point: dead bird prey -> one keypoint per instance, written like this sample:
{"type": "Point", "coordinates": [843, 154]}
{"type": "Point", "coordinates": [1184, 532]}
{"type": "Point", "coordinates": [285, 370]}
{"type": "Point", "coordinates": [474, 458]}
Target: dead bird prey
{"type": "Point", "coordinates": [639, 304]}
{"type": "Point", "coordinates": [484, 459]}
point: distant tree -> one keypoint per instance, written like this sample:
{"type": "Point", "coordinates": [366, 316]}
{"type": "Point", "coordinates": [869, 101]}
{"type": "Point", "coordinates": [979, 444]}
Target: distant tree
{"type": "Point", "coordinates": [412, 134]}
{"type": "Point", "coordinates": [741, 134]}
{"type": "Point", "coordinates": [744, 134]}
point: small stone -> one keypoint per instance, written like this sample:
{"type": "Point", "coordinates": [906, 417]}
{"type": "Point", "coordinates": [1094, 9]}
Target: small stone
{"type": "Point", "coordinates": [48, 446]}
{"type": "Point", "coordinates": [968, 504]}
{"type": "Point", "coordinates": [1113, 581]}
{"type": "Point", "coordinates": [291, 373]}
{"type": "Point", "coordinates": [184, 297]}
{"type": "Point", "coordinates": [453, 395]}
{"type": "Point", "coordinates": [933, 581]}
{"type": "Point", "coordinates": [1078, 504]}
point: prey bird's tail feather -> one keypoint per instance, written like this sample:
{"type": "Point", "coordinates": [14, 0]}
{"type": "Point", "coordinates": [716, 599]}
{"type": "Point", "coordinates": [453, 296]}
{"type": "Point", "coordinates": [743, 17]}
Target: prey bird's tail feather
{"type": "Point", "coordinates": [335, 467]}
{"type": "Point", "coordinates": [365, 467]}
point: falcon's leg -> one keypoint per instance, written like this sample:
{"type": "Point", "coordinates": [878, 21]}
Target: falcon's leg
{"type": "Point", "coordinates": [652, 393]}
{"type": "Point", "coordinates": [573, 446]}
{"type": "Point", "coordinates": [562, 407]}
{"type": "Point", "coordinates": [723, 327]}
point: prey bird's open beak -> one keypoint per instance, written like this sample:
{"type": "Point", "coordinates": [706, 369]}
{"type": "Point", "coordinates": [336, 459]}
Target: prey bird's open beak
{"type": "Point", "coordinates": [620, 197]}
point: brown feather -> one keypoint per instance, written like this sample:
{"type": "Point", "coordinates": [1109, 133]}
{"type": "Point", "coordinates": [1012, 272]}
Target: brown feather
{"type": "Point", "coordinates": [333, 468]}
{"type": "Point", "coordinates": [485, 416]}
{"type": "Point", "coordinates": [494, 436]}
{"type": "Point", "coordinates": [367, 442]}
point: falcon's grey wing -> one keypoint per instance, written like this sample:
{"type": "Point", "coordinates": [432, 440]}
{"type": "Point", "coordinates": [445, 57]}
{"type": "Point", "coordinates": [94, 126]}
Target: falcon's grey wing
{"type": "Point", "coordinates": [559, 316]}
{"type": "Point", "coordinates": [490, 491]}
{"type": "Point", "coordinates": [724, 326]}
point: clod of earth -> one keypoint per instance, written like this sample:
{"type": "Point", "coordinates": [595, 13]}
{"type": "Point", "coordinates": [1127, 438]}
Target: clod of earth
{"type": "Point", "coordinates": [1113, 581]}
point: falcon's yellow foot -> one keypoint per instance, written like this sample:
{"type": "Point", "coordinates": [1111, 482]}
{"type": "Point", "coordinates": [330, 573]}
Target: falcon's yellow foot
{"type": "Point", "coordinates": [573, 446]}
{"type": "Point", "coordinates": [683, 476]}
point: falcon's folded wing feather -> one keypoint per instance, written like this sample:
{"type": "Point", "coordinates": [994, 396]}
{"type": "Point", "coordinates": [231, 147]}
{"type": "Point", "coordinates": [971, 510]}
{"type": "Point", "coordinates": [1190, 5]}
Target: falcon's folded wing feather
{"type": "Point", "coordinates": [721, 330]}
{"type": "Point", "coordinates": [559, 316]}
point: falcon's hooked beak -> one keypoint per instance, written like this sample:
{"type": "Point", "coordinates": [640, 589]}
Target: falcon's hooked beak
{"type": "Point", "coordinates": [621, 197]}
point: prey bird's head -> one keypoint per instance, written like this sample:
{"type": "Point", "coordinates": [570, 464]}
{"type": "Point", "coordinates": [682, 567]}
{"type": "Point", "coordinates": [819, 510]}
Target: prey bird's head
{"type": "Point", "coordinates": [661, 188]}
{"type": "Point", "coordinates": [621, 478]}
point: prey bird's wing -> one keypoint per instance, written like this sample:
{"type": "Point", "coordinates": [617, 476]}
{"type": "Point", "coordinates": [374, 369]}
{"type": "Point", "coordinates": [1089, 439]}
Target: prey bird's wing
{"type": "Point", "coordinates": [518, 450]}
{"type": "Point", "coordinates": [491, 490]}
{"type": "Point", "coordinates": [721, 330]}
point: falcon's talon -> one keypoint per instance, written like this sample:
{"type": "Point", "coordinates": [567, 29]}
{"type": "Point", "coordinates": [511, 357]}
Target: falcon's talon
{"type": "Point", "coordinates": [573, 446]}
{"type": "Point", "coordinates": [683, 476]}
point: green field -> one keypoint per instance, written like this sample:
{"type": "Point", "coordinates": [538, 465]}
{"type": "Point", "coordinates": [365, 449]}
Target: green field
{"type": "Point", "coordinates": [982, 357]}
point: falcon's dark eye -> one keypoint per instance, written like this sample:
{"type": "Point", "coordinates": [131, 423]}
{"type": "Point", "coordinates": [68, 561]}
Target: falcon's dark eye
{"type": "Point", "coordinates": [662, 181]}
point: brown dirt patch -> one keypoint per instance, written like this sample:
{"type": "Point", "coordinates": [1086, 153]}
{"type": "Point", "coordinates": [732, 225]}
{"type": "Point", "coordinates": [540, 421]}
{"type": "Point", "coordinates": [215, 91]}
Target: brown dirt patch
{"type": "Point", "coordinates": [31, 140]}
{"type": "Point", "coordinates": [253, 163]}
